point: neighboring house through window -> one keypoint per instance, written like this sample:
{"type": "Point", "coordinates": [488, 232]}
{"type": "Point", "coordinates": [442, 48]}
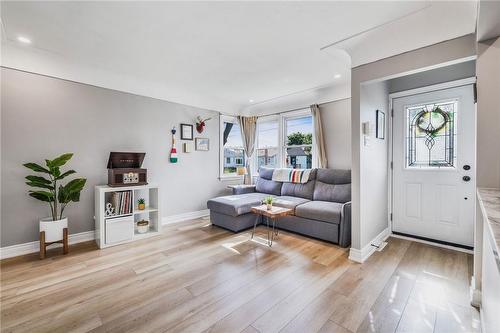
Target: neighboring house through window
{"type": "Point", "coordinates": [284, 140]}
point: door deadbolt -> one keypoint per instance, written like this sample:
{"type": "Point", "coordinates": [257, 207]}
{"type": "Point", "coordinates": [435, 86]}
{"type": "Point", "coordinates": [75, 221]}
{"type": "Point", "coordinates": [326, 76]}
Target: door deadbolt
{"type": "Point", "coordinates": [466, 167]}
{"type": "Point", "coordinates": [466, 178]}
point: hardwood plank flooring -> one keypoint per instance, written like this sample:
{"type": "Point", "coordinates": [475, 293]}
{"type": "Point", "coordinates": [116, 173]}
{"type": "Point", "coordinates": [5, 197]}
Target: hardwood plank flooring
{"type": "Point", "coordinates": [199, 278]}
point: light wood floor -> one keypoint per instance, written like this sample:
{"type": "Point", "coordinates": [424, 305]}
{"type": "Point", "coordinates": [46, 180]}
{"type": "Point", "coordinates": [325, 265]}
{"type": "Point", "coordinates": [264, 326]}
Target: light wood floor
{"type": "Point", "coordinates": [199, 278]}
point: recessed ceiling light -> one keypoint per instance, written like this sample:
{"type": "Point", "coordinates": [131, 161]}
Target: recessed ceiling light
{"type": "Point", "coordinates": [250, 100]}
{"type": "Point", "coordinates": [337, 76]}
{"type": "Point", "coordinates": [24, 40]}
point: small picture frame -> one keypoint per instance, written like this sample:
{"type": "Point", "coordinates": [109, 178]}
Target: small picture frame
{"type": "Point", "coordinates": [380, 128]}
{"type": "Point", "coordinates": [202, 144]}
{"type": "Point", "coordinates": [187, 147]}
{"type": "Point", "coordinates": [186, 132]}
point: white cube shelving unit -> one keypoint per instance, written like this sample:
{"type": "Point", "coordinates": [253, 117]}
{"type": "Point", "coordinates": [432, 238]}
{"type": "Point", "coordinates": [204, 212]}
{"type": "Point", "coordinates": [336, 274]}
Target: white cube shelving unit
{"type": "Point", "coordinates": [120, 229]}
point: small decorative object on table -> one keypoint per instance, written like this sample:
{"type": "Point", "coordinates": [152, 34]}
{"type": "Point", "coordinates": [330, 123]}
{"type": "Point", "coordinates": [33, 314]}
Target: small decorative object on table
{"type": "Point", "coordinates": [241, 171]}
{"type": "Point", "coordinates": [54, 229]}
{"type": "Point", "coordinates": [268, 201]}
{"type": "Point", "coordinates": [200, 124]}
{"type": "Point", "coordinates": [142, 226]}
{"type": "Point", "coordinates": [141, 204]}
{"type": "Point", "coordinates": [202, 144]}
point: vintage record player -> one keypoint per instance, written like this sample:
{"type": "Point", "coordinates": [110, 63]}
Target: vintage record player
{"type": "Point", "coordinates": [124, 169]}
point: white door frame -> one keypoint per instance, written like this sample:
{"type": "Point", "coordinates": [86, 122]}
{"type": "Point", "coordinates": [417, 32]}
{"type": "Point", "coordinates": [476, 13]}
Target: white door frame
{"type": "Point", "coordinates": [390, 155]}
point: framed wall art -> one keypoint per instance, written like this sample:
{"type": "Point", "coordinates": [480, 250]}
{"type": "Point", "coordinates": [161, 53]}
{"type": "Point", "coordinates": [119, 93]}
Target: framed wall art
{"type": "Point", "coordinates": [186, 132]}
{"type": "Point", "coordinates": [202, 144]}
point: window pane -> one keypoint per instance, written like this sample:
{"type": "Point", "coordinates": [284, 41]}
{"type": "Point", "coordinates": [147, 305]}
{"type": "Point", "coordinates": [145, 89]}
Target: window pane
{"type": "Point", "coordinates": [267, 134]}
{"type": "Point", "coordinates": [431, 135]}
{"type": "Point", "coordinates": [267, 157]}
{"type": "Point", "coordinates": [234, 154]}
{"type": "Point", "coordinates": [299, 157]}
{"type": "Point", "coordinates": [299, 131]}
{"type": "Point", "coordinates": [233, 137]}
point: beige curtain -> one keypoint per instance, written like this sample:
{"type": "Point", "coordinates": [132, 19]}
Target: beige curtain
{"type": "Point", "coordinates": [321, 161]}
{"type": "Point", "coordinates": [248, 126]}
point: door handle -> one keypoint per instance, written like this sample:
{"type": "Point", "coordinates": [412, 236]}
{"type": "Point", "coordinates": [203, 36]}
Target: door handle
{"type": "Point", "coordinates": [466, 178]}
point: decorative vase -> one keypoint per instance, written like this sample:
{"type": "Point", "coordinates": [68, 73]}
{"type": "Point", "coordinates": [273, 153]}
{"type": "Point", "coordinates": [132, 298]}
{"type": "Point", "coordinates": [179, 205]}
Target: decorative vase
{"type": "Point", "coordinates": [143, 226]}
{"type": "Point", "coordinates": [269, 206]}
{"type": "Point", "coordinates": [53, 229]}
{"type": "Point", "coordinates": [142, 206]}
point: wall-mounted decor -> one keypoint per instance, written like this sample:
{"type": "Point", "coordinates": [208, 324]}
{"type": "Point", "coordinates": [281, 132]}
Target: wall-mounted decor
{"type": "Point", "coordinates": [187, 147]}
{"type": "Point", "coordinates": [186, 132]}
{"type": "Point", "coordinates": [200, 124]}
{"type": "Point", "coordinates": [380, 133]}
{"type": "Point", "coordinates": [173, 151]}
{"type": "Point", "coordinates": [202, 144]}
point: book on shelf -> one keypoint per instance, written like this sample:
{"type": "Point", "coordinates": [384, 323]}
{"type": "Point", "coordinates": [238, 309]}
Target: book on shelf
{"type": "Point", "coordinates": [122, 202]}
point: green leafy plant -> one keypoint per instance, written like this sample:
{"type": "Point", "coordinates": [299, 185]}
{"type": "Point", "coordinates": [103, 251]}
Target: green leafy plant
{"type": "Point", "coordinates": [268, 200]}
{"type": "Point", "coordinates": [141, 201]}
{"type": "Point", "coordinates": [47, 190]}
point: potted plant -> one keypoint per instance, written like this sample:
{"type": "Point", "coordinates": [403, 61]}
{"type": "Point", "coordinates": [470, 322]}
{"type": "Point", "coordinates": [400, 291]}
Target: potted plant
{"type": "Point", "coordinates": [57, 195]}
{"type": "Point", "coordinates": [141, 204]}
{"type": "Point", "coordinates": [268, 201]}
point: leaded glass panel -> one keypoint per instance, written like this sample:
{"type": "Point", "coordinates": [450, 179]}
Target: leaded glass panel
{"type": "Point", "coordinates": [431, 138]}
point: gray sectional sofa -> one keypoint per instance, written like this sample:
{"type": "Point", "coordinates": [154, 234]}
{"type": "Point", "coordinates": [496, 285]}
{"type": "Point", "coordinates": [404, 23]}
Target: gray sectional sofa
{"type": "Point", "coordinates": [322, 206]}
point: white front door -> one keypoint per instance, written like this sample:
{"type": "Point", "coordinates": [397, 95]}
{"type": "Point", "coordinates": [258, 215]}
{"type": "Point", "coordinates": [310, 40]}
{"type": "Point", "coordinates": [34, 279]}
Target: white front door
{"type": "Point", "coordinates": [434, 138]}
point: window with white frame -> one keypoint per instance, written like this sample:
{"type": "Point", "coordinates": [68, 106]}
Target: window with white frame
{"type": "Point", "coordinates": [298, 141]}
{"type": "Point", "coordinates": [285, 140]}
{"type": "Point", "coordinates": [232, 152]}
{"type": "Point", "coordinates": [267, 145]}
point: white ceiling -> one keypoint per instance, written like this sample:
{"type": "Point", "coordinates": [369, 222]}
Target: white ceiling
{"type": "Point", "coordinates": [221, 55]}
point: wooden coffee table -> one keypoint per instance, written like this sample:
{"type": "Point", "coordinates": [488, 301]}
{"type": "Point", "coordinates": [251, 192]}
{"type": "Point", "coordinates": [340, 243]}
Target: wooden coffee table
{"type": "Point", "coordinates": [274, 214]}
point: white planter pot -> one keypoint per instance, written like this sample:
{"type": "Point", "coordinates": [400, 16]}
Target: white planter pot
{"type": "Point", "coordinates": [269, 206]}
{"type": "Point", "coordinates": [53, 229]}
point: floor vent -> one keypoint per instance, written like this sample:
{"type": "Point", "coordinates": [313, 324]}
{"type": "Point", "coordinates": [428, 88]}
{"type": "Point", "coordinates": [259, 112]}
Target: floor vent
{"type": "Point", "coordinates": [379, 247]}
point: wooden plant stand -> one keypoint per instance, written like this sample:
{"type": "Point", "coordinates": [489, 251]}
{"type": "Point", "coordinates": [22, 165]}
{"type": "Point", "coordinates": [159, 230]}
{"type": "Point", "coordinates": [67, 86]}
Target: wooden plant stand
{"type": "Point", "coordinates": [43, 245]}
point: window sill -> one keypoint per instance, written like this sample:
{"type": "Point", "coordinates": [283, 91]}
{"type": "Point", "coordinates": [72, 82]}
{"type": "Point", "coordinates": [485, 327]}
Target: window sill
{"type": "Point", "coordinates": [230, 178]}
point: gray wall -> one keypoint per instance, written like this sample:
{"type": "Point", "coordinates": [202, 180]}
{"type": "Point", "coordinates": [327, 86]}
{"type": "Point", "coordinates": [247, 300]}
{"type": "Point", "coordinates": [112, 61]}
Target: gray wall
{"type": "Point", "coordinates": [385, 69]}
{"type": "Point", "coordinates": [438, 75]}
{"type": "Point", "coordinates": [488, 113]}
{"type": "Point", "coordinates": [42, 117]}
{"type": "Point", "coordinates": [336, 118]}
{"type": "Point", "coordinates": [373, 162]}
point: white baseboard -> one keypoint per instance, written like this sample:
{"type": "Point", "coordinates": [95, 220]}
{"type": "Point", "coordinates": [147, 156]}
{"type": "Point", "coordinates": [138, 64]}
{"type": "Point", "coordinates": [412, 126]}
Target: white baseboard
{"type": "Point", "coordinates": [184, 216]}
{"type": "Point", "coordinates": [475, 294]}
{"type": "Point", "coordinates": [31, 247]}
{"type": "Point", "coordinates": [363, 254]}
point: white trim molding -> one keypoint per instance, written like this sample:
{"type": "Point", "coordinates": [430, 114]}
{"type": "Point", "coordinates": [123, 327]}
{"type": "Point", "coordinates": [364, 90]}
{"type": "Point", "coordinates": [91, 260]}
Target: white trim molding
{"type": "Point", "coordinates": [434, 87]}
{"type": "Point", "coordinates": [184, 216]}
{"type": "Point", "coordinates": [363, 254]}
{"type": "Point", "coordinates": [31, 247]}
